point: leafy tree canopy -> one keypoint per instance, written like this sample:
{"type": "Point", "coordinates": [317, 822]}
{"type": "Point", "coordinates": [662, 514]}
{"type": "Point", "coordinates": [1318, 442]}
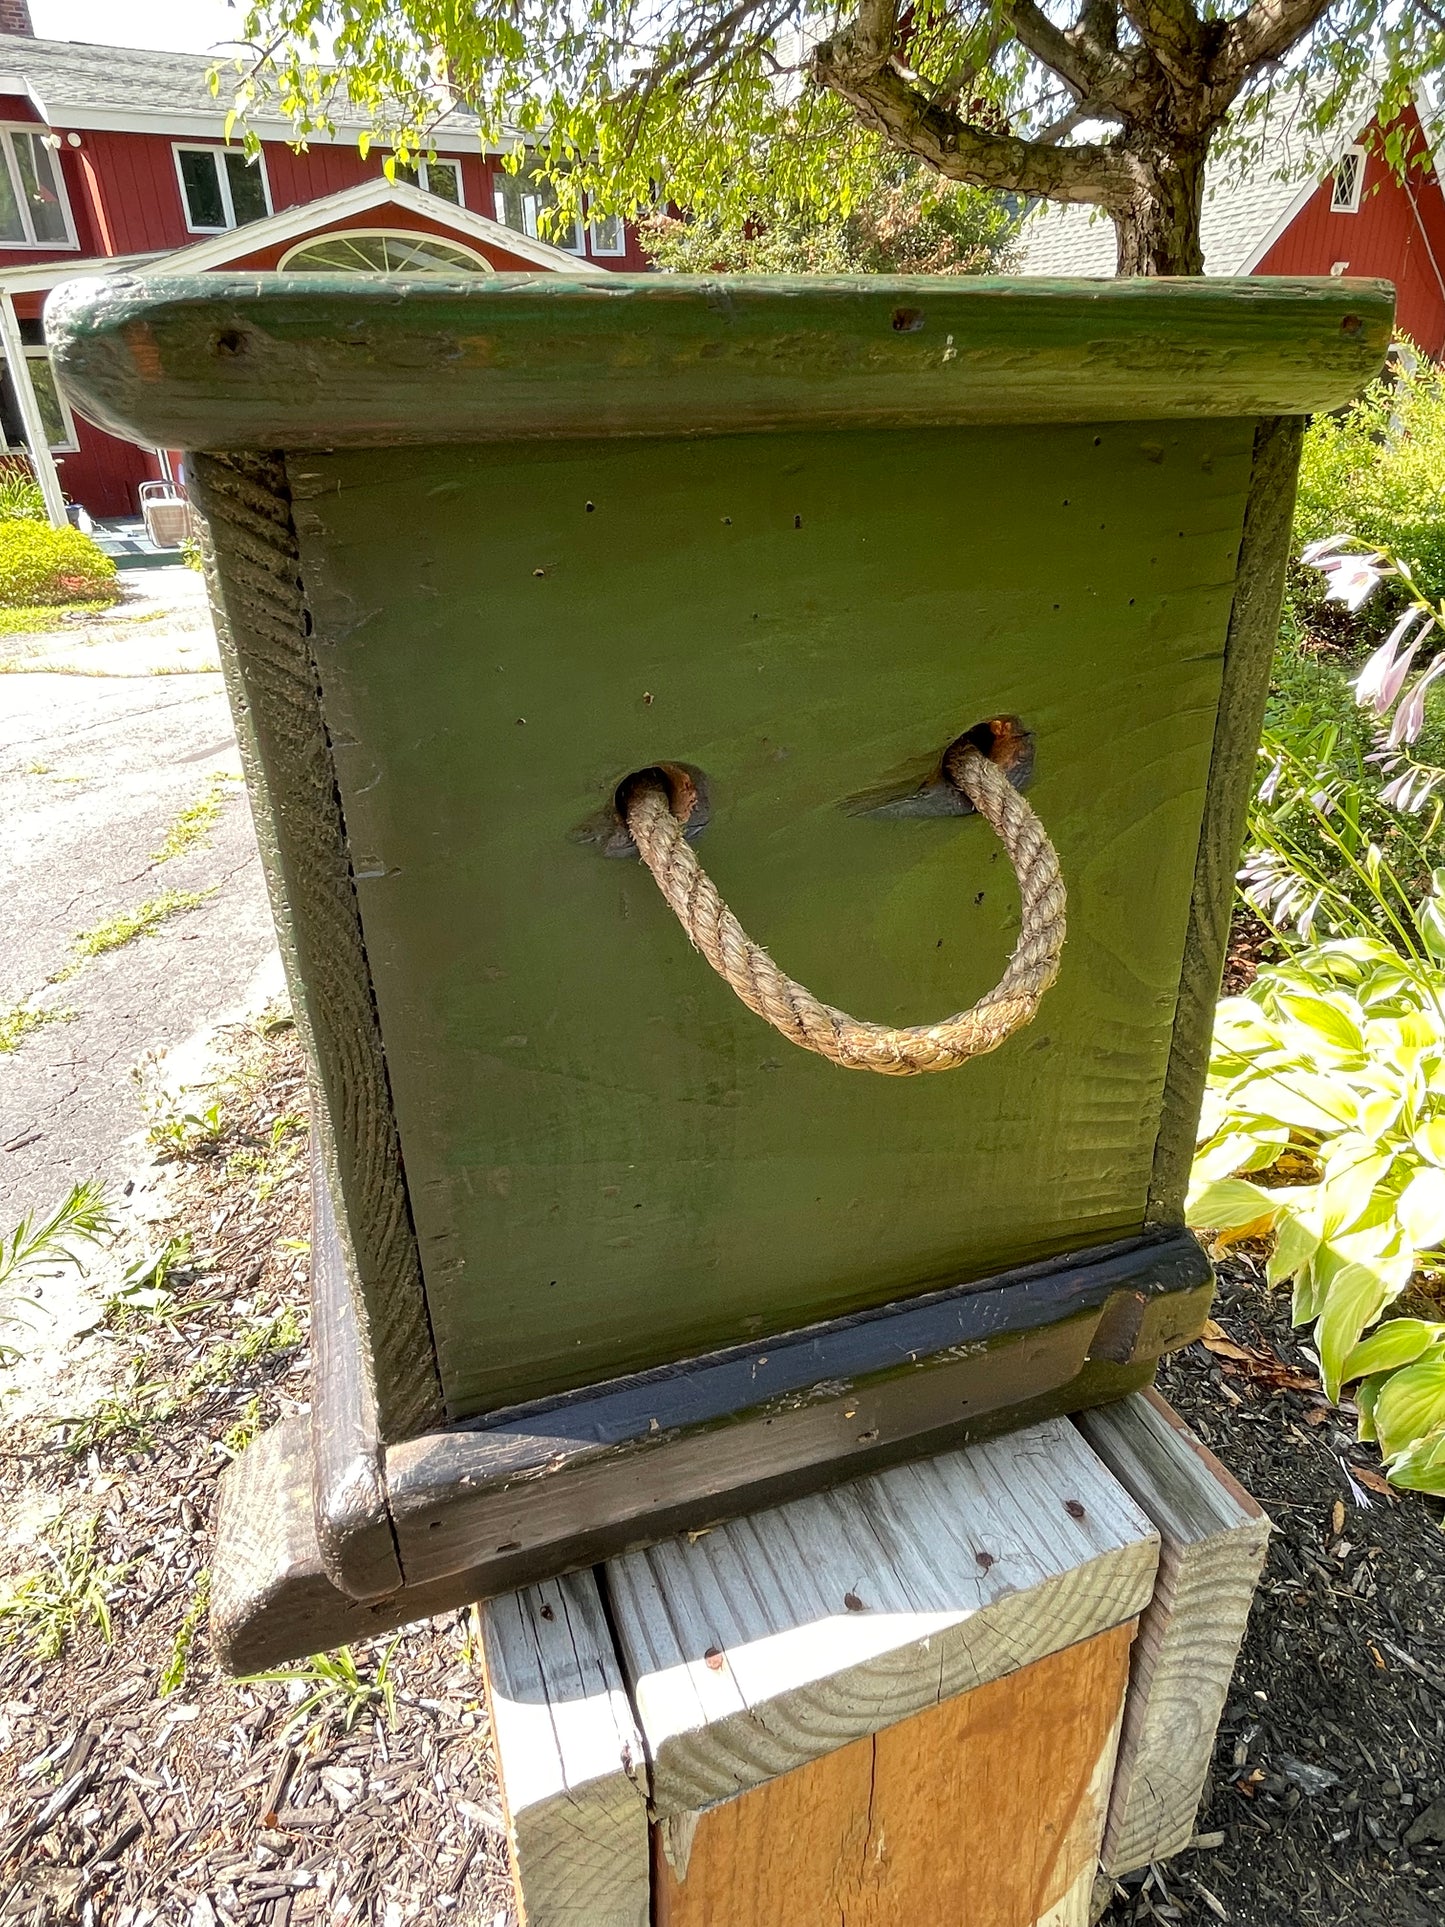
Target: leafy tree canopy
{"type": "Point", "coordinates": [723, 106]}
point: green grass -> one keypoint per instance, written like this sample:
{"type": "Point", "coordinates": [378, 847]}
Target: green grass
{"type": "Point", "coordinates": [120, 930]}
{"type": "Point", "coordinates": [50, 615]}
{"type": "Point", "coordinates": [195, 822]}
{"type": "Point", "coordinates": [17, 1021]}
{"type": "Point", "coordinates": [174, 1676]}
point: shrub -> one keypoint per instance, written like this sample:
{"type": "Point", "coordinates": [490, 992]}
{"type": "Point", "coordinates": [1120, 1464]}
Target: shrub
{"type": "Point", "coordinates": [1324, 1130]}
{"type": "Point", "coordinates": [21, 499]}
{"type": "Point", "coordinates": [44, 565]}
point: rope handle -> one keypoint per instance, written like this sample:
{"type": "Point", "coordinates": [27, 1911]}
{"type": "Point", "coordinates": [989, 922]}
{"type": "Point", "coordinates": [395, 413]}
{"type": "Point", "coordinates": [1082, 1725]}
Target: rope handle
{"type": "Point", "coordinates": [800, 1016]}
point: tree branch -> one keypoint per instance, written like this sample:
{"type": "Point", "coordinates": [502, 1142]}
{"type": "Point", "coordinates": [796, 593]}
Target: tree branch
{"type": "Point", "coordinates": [1173, 33]}
{"type": "Point", "coordinates": [857, 64]}
{"type": "Point", "coordinates": [1266, 31]}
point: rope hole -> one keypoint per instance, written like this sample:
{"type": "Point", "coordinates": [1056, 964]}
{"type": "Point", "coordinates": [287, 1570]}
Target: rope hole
{"type": "Point", "coordinates": [688, 797]}
{"type": "Point", "coordinates": [1004, 741]}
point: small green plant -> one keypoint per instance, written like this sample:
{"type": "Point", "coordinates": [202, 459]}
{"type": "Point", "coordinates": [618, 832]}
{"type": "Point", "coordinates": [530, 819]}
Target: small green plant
{"type": "Point", "coordinates": [336, 1688]}
{"type": "Point", "coordinates": [194, 824]}
{"type": "Point", "coordinates": [270, 1163]}
{"type": "Point", "coordinates": [83, 1217]}
{"type": "Point", "coordinates": [241, 1436]}
{"type": "Point", "coordinates": [1324, 1130]}
{"type": "Point", "coordinates": [191, 557]}
{"type": "Point", "coordinates": [226, 1359]}
{"type": "Point", "coordinates": [18, 1021]}
{"type": "Point", "coordinates": [189, 1122]}
{"type": "Point", "coordinates": [173, 1676]}
{"type": "Point", "coordinates": [148, 1288]}
{"type": "Point", "coordinates": [39, 564]}
{"type": "Point", "coordinates": [127, 1418]}
{"type": "Point", "coordinates": [115, 932]}
{"type": "Point", "coordinates": [21, 497]}
{"type": "Point", "coordinates": [44, 1606]}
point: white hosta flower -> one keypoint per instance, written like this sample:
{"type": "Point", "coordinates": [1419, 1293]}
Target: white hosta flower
{"type": "Point", "coordinates": [1410, 716]}
{"type": "Point", "coordinates": [1352, 578]}
{"type": "Point", "coordinates": [1383, 676]}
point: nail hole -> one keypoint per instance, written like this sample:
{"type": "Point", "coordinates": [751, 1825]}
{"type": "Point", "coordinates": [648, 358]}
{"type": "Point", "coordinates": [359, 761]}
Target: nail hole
{"type": "Point", "coordinates": [1352, 325]}
{"type": "Point", "coordinates": [1004, 741]}
{"type": "Point", "coordinates": [230, 342]}
{"type": "Point", "coordinates": [907, 321]}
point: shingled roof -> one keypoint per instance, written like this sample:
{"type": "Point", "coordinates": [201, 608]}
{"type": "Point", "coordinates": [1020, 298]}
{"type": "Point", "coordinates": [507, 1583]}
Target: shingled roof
{"type": "Point", "coordinates": [75, 84]}
{"type": "Point", "coordinates": [1247, 203]}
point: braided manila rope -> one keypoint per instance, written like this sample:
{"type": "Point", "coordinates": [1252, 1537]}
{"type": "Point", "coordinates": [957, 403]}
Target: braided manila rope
{"type": "Point", "coordinates": [801, 1017]}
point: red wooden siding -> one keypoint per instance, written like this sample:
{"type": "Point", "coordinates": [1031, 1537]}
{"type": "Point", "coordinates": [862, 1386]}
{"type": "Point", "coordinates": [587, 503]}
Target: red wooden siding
{"type": "Point", "coordinates": [1398, 234]}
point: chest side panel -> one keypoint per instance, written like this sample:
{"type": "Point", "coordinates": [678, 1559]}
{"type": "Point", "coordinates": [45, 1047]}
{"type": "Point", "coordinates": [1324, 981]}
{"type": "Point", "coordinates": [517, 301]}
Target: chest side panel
{"type": "Point", "coordinates": [611, 1163]}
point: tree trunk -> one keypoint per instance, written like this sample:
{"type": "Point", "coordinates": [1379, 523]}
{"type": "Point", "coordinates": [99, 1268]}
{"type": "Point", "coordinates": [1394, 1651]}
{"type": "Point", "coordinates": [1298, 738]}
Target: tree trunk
{"type": "Point", "coordinates": [1158, 229]}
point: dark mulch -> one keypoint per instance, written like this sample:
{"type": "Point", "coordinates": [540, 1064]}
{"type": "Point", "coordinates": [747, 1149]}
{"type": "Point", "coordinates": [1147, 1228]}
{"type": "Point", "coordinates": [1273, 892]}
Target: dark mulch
{"type": "Point", "coordinates": [1328, 1783]}
{"type": "Point", "coordinates": [139, 1787]}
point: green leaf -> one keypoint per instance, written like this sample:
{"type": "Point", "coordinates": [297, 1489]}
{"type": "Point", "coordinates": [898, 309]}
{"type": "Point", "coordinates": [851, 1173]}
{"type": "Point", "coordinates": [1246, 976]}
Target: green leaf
{"type": "Point", "coordinates": [1430, 1140]}
{"type": "Point", "coordinates": [1227, 1204]}
{"type": "Point", "coordinates": [1366, 1395]}
{"type": "Point", "coordinates": [1399, 1341]}
{"type": "Point", "coordinates": [1309, 1102]}
{"type": "Point", "coordinates": [1294, 1245]}
{"type": "Point", "coordinates": [1421, 1467]}
{"type": "Point", "coordinates": [1421, 1209]}
{"type": "Point", "coordinates": [1346, 1191]}
{"type": "Point", "coordinates": [1238, 1151]}
{"type": "Point", "coordinates": [1329, 1018]}
{"type": "Point", "coordinates": [1355, 1297]}
{"type": "Point", "coordinates": [1430, 921]}
{"type": "Point", "coordinates": [1411, 1403]}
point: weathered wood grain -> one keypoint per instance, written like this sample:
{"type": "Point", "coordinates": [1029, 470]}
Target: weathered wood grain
{"type": "Point", "coordinates": [353, 1519]}
{"type": "Point", "coordinates": [771, 1641]}
{"type": "Point", "coordinates": [1212, 1545]}
{"type": "Point", "coordinates": [263, 628]}
{"type": "Point", "coordinates": [986, 1810]}
{"type": "Point", "coordinates": [1249, 652]}
{"type": "Point", "coordinates": [569, 1756]}
{"type": "Point", "coordinates": [312, 361]}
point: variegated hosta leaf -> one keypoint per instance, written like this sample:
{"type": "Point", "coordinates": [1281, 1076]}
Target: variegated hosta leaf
{"type": "Point", "coordinates": [1421, 1466]}
{"type": "Point", "coordinates": [1227, 1204]}
{"type": "Point", "coordinates": [1411, 1404]}
{"type": "Point", "coordinates": [1421, 1208]}
{"type": "Point", "coordinates": [1399, 1341]}
{"type": "Point", "coordinates": [1356, 1296]}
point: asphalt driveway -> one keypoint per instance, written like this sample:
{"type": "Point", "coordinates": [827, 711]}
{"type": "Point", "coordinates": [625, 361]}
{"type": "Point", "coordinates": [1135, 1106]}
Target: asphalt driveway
{"type": "Point", "coordinates": [109, 733]}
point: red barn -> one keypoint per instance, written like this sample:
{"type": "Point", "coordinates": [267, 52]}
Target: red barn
{"type": "Point", "coordinates": [115, 160]}
{"type": "Point", "coordinates": [1301, 207]}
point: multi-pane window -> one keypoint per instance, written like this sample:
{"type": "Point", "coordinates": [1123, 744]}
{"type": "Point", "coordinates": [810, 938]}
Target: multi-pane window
{"type": "Point", "coordinates": [221, 188]}
{"type": "Point", "coordinates": [1349, 179]}
{"type": "Point", "coordinates": [522, 199]}
{"type": "Point", "coordinates": [608, 235]}
{"type": "Point", "coordinates": [442, 178]}
{"type": "Point", "coordinates": [34, 212]}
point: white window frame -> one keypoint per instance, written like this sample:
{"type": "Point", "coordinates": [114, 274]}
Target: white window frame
{"type": "Point", "coordinates": [7, 131]}
{"type": "Point", "coordinates": [607, 254]}
{"type": "Point", "coordinates": [71, 444]}
{"type": "Point", "coordinates": [453, 161]}
{"type": "Point", "coordinates": [1351, 204]}
{"type": "Point", "coordinates": [530, 201]}
{"type": "Point", "coordinates": [382, 234]}
{"type": "Point", "coordinates": [223, 177]}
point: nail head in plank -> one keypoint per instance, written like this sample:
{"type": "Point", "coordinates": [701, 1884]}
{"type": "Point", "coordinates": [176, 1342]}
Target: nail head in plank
{"type": "Point", "coordinates": [773, 1640]}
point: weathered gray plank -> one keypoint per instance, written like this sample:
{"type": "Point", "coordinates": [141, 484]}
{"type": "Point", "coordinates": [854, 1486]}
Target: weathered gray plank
{"type": "Point", "coordinates": [1212, 1546]}
{"type": "Point", "coordinates": [771, 1641]}
{"type": "Point", "coordinates": [570, 1758]}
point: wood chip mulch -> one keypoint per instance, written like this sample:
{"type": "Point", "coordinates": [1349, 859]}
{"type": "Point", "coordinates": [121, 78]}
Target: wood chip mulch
{"type": "Point", "coordinates": [138, 1784]}
{"type": "Point", "coordinates": [1327, 1801]}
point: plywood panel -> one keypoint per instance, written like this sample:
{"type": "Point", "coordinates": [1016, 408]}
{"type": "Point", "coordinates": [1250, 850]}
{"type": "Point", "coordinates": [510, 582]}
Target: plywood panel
{"type": "Point", "coordinates": [987, 1810]}
{"type": "Point", "coordinates": [611, 1164]}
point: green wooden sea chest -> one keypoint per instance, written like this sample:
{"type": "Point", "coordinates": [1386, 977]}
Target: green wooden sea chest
{"type": "Point", "coordinates": [601, 1251]}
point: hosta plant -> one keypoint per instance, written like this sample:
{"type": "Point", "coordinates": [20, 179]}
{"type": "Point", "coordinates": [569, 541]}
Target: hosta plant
{"type": "Point", "coordinates": [1324, 1130]}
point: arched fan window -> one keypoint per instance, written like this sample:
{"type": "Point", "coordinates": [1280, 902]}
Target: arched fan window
{"type": "Point", "coordinates": [382, 251]}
